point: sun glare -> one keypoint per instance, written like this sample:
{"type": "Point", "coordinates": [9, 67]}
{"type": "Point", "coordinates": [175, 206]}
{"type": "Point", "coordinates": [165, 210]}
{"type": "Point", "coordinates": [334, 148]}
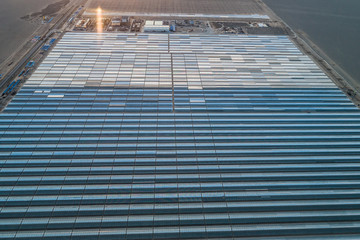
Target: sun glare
{"type": "Point", "coordinates": [99, 24]}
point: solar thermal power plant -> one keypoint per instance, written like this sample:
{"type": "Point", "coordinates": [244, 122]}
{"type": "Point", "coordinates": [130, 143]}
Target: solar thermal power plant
{"type": "Point", "coordinates": [150, 136]}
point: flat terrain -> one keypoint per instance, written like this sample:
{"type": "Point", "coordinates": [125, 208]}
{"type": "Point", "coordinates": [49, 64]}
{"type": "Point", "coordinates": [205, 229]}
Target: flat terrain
{"type": "Point", "coordinates": [179, 6]}
{"type": "Point", "coordinates": [13, 30]}
{"type": "Point", "coordinates": [332, 25]}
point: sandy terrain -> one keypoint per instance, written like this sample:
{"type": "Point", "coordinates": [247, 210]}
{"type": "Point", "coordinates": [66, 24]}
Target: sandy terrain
{"type": "Point", "coordinates": [50, 10]}
{"type": "Point", "coordinates": [179, 6]}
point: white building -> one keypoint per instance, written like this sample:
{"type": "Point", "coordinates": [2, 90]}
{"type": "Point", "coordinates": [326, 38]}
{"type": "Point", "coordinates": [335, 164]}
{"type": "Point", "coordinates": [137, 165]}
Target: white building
{"type": "Point", "coordinates": [156, 26]}
{"type": "Point", "coordinates": [115, 22]}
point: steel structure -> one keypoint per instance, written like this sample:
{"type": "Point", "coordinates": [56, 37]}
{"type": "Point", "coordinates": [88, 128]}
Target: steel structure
{"type": "Point", "coordinates": [120, 136]}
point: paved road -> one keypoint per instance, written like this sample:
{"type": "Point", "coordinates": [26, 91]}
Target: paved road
{"type": "Point", "coordinates": [12, 74]}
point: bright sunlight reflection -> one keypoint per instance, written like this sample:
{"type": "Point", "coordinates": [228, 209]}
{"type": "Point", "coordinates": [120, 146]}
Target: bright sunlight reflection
{"type": "Point", "coordinates": [99, 24]}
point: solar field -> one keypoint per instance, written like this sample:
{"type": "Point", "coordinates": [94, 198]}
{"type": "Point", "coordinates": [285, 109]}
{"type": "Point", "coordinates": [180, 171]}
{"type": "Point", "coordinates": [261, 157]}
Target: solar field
{"type": "Point", "coordinates": [157, 136]}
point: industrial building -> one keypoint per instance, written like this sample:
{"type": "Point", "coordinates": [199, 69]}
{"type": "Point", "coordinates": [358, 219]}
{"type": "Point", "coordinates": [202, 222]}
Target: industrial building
{"type": "Point", "coordinates": [115, 22]}
{"type": "Point", "coordinates": [156, 26]}
{"type": "Point", "coordinates": [82, 24]}
{"type": "Point", "coordinates": [150, 136]}
{"type": "Point", "coordinates": [123, 21]}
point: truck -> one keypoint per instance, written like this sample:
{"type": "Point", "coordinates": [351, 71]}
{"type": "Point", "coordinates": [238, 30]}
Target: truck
{"type": "Point", "coordinates": [30, 64]}
{"type": "Point", "coordinates": [52, 41]}
{"type": "Point", "coordinates": [22, 72]}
